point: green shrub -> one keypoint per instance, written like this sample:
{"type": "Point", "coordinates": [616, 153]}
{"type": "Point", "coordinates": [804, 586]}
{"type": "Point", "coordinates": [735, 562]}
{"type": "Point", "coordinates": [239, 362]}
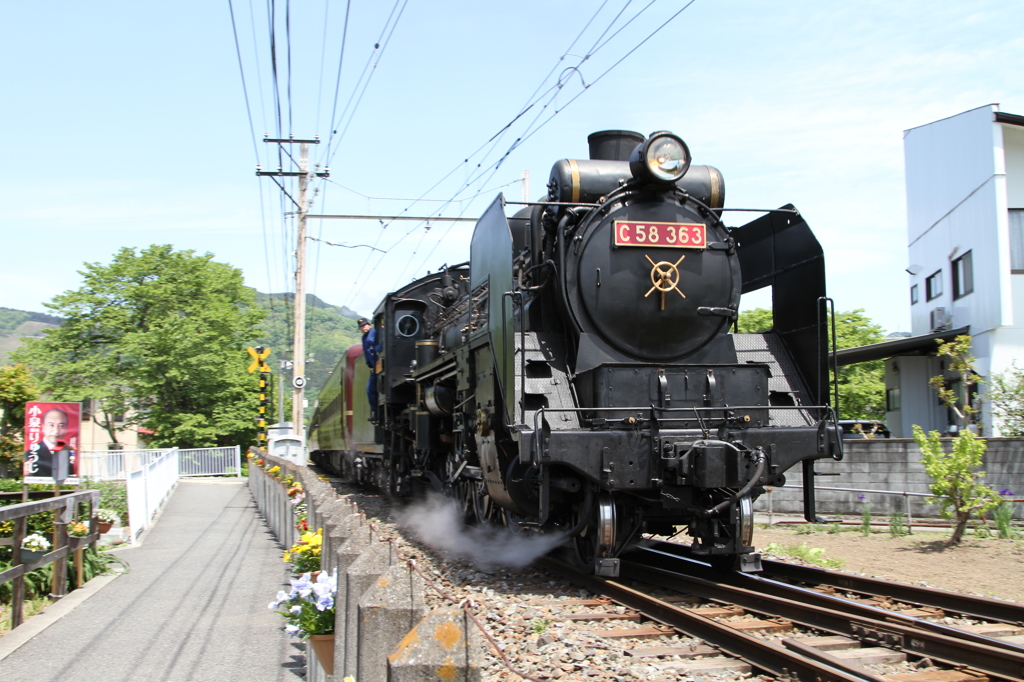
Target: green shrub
{"type": "Point", "coordinates": [113, 496]}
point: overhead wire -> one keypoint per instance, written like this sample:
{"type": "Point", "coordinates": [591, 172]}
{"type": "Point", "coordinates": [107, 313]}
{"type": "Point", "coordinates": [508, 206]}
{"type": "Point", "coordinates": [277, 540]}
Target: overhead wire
{"type": "Point", "coordinates": [337, 83]}
{"type": "Point", "coordinates": [537, 127]}
{"type": "Point", "coordinates": [288, 44]}
{"type": "Point", "coordinates": [323, 58]}
{"type": "Point", "coordinates": [252, 132]}
{"type": "Point", "coordinates": [259, 71]}
{"type": "Point", "coordinates": [493, 141]}
{"type": "Point", "coordinates": [245, 90]}
{"type": "Point", "coordinates": [375, 56]}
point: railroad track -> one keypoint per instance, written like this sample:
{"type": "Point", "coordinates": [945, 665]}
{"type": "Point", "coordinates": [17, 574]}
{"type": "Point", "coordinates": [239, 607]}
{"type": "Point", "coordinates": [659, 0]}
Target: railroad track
{"type": "Point", "coordinates": [787, 630]}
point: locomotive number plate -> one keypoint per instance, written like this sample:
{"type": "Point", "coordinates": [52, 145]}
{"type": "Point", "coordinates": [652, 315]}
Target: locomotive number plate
{"type": "Point", "coordinates": [677, 235]}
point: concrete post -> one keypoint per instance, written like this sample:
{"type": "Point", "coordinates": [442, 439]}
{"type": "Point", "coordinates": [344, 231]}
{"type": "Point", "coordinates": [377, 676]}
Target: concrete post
{"type": "Point", "coordinates": [446, 645]}
{"type": "Point", "coordinates": [358, 542]}
{"type": "Point", "coordinates": [360, 577]}
{"type": "Point", "coordinates": [387, 612]}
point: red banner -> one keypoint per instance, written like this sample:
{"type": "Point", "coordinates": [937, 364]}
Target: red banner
{"type": "Point", "coordinates": [51, 441]}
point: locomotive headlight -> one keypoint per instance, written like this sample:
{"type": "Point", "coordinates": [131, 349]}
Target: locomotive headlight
{"type": "Point", "coordinates": [663, 157]}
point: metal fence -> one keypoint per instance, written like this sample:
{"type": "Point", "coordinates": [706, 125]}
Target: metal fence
{"type": "Point", "coordinates": [116, 465]}
{"type": "Point", "coordinates": [210, 461]}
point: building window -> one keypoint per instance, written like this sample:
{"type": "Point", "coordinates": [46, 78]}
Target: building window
{"type": "Point", "coordinates": [1017, 240]}
{"type": "Point", "coordinates": [963, 276]}
{"type": "Point", "coordinates": [892, 399]}
{"type": "Point", "coordinates": [914, 295]}
{"type": "Point", "coordinates": [933, 285]}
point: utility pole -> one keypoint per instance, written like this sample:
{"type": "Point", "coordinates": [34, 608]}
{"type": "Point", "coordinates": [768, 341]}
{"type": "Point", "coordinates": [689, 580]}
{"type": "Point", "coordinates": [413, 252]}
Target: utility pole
{"type": "Point", "coordinates": [284, 364]}
{"type": "Point", "coordinates": [299, 345]}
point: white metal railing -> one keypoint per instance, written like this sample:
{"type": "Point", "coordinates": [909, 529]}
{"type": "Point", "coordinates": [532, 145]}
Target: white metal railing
{"type": "Point", "coordinates": [148, 488]}
{"type": "Point", "coordinates": [114, 465]}
{"type": "Point", "coordinates": [210, 461]}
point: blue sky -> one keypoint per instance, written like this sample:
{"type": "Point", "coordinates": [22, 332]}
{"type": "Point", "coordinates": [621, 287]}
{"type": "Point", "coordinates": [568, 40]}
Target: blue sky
{"type": "Point", "coordinates": [125, 123]}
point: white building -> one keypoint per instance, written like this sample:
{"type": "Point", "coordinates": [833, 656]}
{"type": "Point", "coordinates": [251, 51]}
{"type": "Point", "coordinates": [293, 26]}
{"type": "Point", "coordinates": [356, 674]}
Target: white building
{"type": "Point", "coordinates": [965, 229]}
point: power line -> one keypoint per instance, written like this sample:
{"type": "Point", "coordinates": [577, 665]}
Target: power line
{"type": "Point", "coordinates": [245, 90]}
{"type": "Point", "coordinates": [323, 56]}
{"type": "Point", "coordinates": [381, 45]}
{"type": "Point", "coordinates": [525, 136]}
{"type": "Point", "coordinates": [337, 83]}
{"type": "Point", "coordinates": [288, 43]}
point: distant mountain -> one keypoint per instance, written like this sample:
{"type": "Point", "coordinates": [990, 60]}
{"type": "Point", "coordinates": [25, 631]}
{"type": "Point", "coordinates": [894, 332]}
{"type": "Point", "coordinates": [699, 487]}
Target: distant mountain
{"type": "Point", "coordinates": [16, 325]}
{"type": "Point", "coordinates": [330, 330]}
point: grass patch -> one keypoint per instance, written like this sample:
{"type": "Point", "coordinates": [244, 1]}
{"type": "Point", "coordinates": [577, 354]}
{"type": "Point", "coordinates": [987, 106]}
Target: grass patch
{"type": "Point", "coordinates": [32, 607]}
{"type": "Point", "coordinates": [813, 555]}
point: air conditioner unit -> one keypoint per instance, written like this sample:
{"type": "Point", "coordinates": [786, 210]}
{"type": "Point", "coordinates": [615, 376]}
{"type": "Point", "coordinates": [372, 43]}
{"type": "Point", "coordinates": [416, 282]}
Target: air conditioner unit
{"type": "Point", "coordinates": [940, 320]}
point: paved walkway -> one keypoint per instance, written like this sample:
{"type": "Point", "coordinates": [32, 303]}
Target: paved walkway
{"type": "Point", "coordinates": [193, 607]}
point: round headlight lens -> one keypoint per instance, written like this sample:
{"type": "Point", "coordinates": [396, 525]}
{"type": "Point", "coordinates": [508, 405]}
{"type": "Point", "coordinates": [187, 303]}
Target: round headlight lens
{"type": "Point", "coordinates": [667, 158]}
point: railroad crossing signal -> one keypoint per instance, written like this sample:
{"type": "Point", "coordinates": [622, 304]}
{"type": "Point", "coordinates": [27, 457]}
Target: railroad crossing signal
{"type": "Point", "coordinates": [259, 354]}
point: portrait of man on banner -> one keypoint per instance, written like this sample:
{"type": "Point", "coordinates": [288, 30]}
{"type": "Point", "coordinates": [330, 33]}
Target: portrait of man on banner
{"type": "Point", "coordinates": [51, 442]}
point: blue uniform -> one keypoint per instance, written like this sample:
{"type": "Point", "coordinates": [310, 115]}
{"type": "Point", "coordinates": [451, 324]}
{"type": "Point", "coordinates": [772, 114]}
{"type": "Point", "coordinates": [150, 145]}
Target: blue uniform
{"type": "Point", "coordinates": [371, 350]}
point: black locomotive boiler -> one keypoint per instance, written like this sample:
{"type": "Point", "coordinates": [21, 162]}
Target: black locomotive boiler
{"type": "Point", "coordinates": [582, 375]}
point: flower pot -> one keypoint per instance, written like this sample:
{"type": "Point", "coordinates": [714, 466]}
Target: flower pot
{"type": "Point", "coordinates": [104, 526]}
{"type": "Point", "coordinates": [323, 647]}
{"type": "Point", "coordinates": [30, 556]}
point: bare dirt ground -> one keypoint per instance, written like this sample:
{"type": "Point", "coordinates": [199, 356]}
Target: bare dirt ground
{"type": "Point", "coordinates": [990, 567]}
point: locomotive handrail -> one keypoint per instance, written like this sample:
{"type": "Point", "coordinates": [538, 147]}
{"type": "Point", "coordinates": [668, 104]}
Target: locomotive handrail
{"type": "Point", "coordinates": [522, 351]}
{"type": "Point", "coordinates": [758, 210]}
{"type": "Point", "coordinates": [551, 203]}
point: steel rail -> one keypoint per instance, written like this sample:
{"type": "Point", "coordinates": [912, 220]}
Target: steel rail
{"type": "Point", "coordinates": [985, 608]}
{"type": "Point", "coordinates": [883, 629]}
{"type": "Point", "coordinates": [757, 583]}
{"type": "Point", "coordinates": [977, 607]}
{"type": "Point", "coordinates": [758, 653]}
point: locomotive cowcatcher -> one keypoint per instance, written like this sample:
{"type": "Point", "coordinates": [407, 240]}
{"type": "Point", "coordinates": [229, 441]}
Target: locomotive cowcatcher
{"type": "Point", "coordinates": [582, 374]}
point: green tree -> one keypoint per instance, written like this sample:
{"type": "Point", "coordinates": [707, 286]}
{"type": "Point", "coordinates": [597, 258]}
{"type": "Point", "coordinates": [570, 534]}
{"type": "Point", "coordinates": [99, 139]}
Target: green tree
{"type": "Point", "coordinates": [1006, 395]}
{"type": "Point", "coordinates": [961, 398]}
{"type": "Point", "coordinates": [16, 388]}
{"type": "Point", "coordinates": [158, 335]}
{"type": "Point", "coordinates": [861, 386]}
{"type": "Point", "coordinates": [956, 484]}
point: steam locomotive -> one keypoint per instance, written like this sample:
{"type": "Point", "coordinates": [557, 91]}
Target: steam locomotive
{"type": "Point", "coordinates": [582, 373]}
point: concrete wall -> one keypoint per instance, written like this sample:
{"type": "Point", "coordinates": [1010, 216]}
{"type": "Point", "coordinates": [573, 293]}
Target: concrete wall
{"type": "Point", "coordinates": [893, 465]}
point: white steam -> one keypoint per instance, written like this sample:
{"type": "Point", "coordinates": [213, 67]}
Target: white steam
{"type": "Point", "coordinates": [436, 523]}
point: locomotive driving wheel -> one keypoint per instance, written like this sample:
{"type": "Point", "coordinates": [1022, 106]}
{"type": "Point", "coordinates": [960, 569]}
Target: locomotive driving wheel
{"type": "Point", "coordinates": [485, 510]}
{"type": "Point", "coordinates": [598, 537]}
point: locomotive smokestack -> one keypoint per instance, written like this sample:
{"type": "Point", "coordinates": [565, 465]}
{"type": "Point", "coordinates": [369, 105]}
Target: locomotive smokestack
{"type": "Point", "coordinates": [613, 145]}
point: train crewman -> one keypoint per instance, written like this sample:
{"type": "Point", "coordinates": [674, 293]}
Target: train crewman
{"type": "Point", "coordinates": [370, 352]}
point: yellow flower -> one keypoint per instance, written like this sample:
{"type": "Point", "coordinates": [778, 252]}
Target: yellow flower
{"type": "Point", "coordinates": [287, 556]}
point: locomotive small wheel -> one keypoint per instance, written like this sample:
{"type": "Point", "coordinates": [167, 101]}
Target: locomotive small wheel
{"type": "Point", "coordinates": [598, 538]}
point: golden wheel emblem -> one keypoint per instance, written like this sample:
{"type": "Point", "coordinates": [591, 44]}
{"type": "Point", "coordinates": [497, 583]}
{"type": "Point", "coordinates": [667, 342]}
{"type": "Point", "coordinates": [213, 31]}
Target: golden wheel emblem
{"type": "Point", "coordinates": [664, 277]}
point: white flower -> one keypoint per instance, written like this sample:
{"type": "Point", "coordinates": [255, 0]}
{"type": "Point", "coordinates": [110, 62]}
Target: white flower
{"type": "Point", "coordinates": [35, 542]}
